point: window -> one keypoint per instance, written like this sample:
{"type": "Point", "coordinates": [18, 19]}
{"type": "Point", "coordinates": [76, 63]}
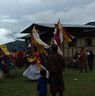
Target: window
{"type": "Point", "coordinates": [72, 43]}
{"type": "Point", "coordinates": [88, 42]}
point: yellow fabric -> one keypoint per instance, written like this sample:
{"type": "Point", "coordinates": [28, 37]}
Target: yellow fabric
{"type": "Point", "coordinates": [66, 37]}
{"type": "Point", "coordinates": [31, 59]}
{"type": "Point", "coordinates": [5, 49]}
{"type": "Point", "coordinates": [41, 49]}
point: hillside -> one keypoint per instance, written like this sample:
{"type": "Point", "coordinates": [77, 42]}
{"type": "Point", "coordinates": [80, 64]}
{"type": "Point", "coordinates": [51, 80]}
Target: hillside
{"type": "Point", "coordinates": [16, 45]}
{"type": "Point", "coordinates": [90, 23]}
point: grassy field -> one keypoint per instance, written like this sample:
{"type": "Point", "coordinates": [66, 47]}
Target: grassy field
{"type": "Point", "coordinates": [77, 84]}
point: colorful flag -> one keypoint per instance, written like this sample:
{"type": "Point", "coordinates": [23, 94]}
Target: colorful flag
{"type": "Point", "coordinates": [36, 38]}
{"type": "Point", "coordinates": [59, 50]}
{"type": "Point", "coordinates": [66, 36]}
{"type": "Point", "coordinates": [57, 37]}
{"type": "Point", "coordinates": [39, 44]}
{"type": "Point", "coordinates": [60, 35]}
{"type": "Point", "coordinates": [57, 40]}
{"type": "Point", "coordinates": [4, 49]}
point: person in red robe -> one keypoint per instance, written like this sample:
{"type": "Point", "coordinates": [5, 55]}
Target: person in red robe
{"type": "Point", "coordinates": [82, 60]}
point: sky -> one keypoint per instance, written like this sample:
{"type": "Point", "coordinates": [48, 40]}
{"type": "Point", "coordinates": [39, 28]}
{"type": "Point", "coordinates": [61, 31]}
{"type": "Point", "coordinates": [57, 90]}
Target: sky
{"type": "Point", "coordinates": [16, 15]}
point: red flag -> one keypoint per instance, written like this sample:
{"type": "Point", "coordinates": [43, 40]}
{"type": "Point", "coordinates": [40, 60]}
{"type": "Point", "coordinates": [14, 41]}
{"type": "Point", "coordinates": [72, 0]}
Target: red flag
{"type": "Point", "coordinates": [57, 37]}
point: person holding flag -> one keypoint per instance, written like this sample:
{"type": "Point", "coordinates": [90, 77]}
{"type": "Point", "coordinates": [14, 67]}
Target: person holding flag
{"type": "Point", "coordinates": [55, 67]}
{"type": "Point", "coordinates": [56, 61]}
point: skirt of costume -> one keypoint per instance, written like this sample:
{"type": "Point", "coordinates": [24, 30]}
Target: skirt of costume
{"type": "Point", "coordinates": [33, 72]}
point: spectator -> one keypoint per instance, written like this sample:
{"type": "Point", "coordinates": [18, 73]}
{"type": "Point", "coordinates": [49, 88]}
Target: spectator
{"type": "Point", "coordinates": [90, 57]}
{"type": "Point", "coordinates": [82, 60]}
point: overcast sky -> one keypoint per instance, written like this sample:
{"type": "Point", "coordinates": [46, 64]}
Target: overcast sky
{"type": "Point", "coordinates": [16, 15]}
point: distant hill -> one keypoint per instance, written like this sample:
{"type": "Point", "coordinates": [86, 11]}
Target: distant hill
{"type": "Point", "coordinates": [16, 45]}
{"type": "Point", "coordinates": [90, 23]}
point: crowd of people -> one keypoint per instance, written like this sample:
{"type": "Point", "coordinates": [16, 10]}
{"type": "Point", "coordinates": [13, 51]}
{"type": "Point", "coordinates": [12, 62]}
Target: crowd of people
{"type": "Point", "coordinates": [45, 66]}
{"type": "Point", "coordinates": [40, 65]}
{"type": "Point", "coordinates": [11, 61]}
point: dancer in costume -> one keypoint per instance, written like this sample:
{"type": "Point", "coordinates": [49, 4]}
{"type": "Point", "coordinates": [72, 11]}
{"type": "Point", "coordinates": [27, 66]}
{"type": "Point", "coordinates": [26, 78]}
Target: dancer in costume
{"type": "Point", "coordinates": [5, 64]}
{"type": "Point", "coordinates": [33, 71]}
{"type": "Point", "coordinates": [20, 59]}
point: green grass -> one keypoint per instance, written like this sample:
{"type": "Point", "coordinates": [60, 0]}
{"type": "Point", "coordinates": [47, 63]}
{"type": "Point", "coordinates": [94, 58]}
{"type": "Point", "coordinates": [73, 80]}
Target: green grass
{"type": "Point", "coordinates": [17, 85]}
{"type": "Point", "coordinates": [83, 86]}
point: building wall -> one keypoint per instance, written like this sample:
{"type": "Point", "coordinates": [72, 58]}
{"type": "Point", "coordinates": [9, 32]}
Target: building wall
{"type": "Point", "coordinates": [80, 42]}
{"type": "Point", "coordinates": [93, 41]}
